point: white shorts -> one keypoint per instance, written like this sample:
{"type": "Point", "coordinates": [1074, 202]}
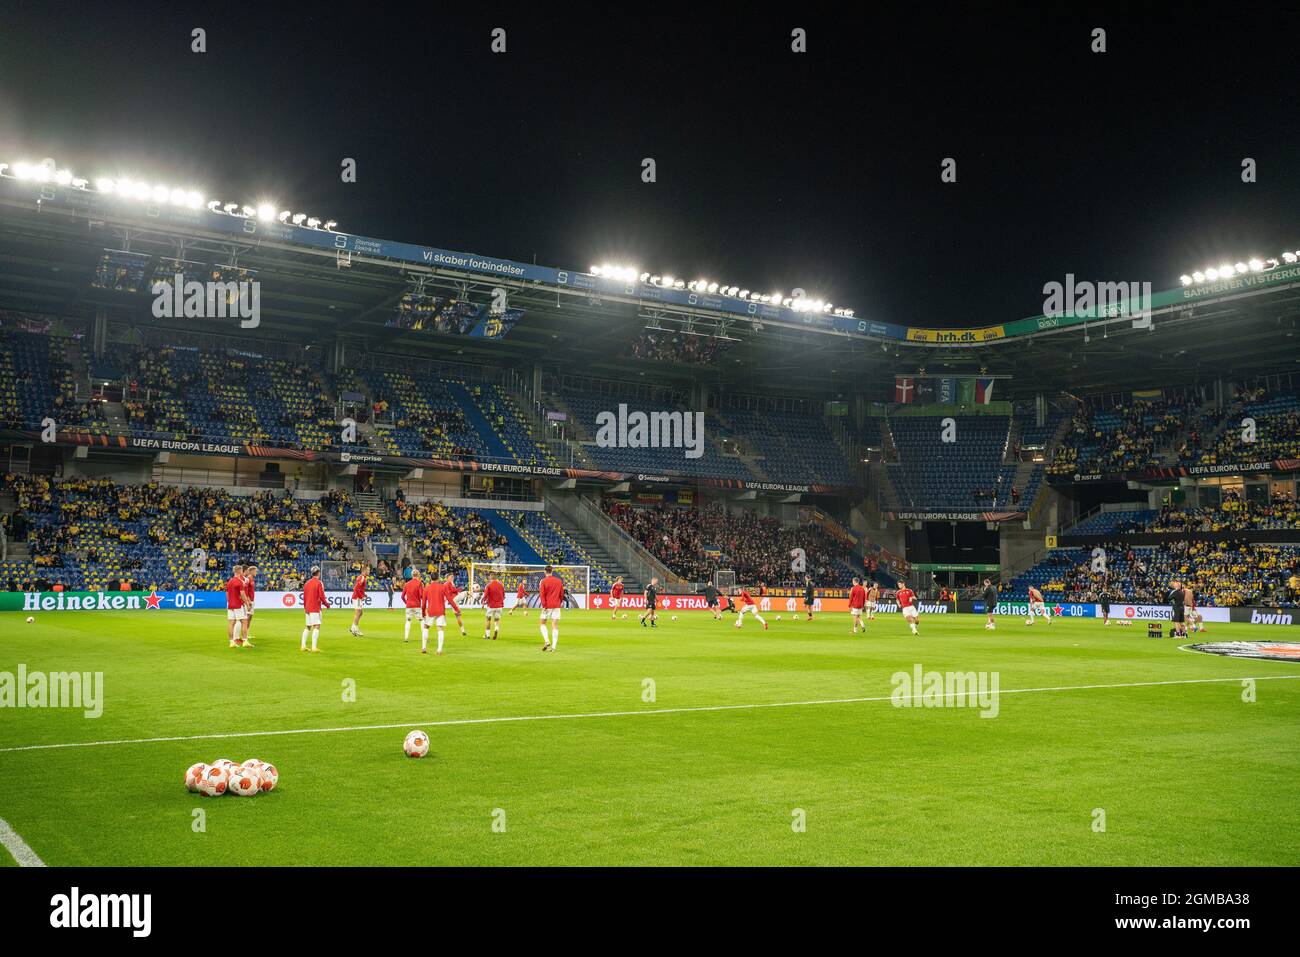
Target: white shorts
{"type": "Point", "coordinates": [749, 608]}
{"type": "Point", "coordinates": [550, 614]}
{"type": "Point", "coordinates": [910, 611]}
{"type": "Point", "coordinates": [855, 612]}
{"type": "Point", "coordinates": [359, 603]}
{"type": "Point", "coordinates": [871, 606]}
{"type": "Point", "coordinates": [1038, 608]}
{"type": "Point", "coordinates": [235, 614]}
{"type": "Point", "coordinates": [412, 614]}
{"type": "Point", "coordinates": [492, 612]}
{"type": "Point", "coordinates": [313, 619]}
{"type": "Point", "coordinates": [439, 622]}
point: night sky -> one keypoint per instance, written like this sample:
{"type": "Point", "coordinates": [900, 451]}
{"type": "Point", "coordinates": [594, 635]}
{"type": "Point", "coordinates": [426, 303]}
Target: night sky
{"type": "Point", "coordinates": [775, 169]}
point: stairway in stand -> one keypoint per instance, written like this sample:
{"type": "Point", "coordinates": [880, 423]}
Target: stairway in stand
{"type": "Point", "coordinates": [596, 554]}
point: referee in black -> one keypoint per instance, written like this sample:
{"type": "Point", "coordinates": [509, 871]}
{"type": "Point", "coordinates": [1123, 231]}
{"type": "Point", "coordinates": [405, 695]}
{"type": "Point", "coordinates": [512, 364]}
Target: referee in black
{"type": "Point", "coordinates": [711, 599]}
{"type": "Point", "coordinates": [990, 601]}
{"type": "Point", "coordinates": [651, 604]}
{"type": "Point", "coordinates": [1177, 612]}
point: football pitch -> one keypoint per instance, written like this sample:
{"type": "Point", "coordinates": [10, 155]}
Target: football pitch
{"type": "Point", "coordinates": [694, 743]}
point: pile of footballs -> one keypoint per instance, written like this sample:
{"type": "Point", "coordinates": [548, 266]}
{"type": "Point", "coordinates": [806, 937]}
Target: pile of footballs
{"type": "Point", "coordinates": [224, 776]}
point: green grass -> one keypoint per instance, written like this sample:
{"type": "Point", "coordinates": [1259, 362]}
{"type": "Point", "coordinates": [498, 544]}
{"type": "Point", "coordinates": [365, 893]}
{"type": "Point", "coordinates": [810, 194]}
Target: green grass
{"type": "Point", "coordinates": [1187, 774]}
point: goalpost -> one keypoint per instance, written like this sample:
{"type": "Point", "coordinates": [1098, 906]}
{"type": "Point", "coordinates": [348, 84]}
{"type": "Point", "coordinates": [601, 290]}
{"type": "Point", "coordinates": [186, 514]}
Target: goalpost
{"type": "Point", "coordinates": [576, 578]}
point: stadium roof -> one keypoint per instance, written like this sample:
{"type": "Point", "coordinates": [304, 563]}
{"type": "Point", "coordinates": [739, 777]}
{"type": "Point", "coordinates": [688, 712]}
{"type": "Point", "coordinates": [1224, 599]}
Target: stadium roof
{"type": "Point", "coordinates": [319, 285]}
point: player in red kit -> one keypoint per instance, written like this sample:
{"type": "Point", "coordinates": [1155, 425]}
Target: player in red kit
{"type": "Point", "coordinates": [250, 592]}
{"type": "Point", "coordinates": [521, 600]}
{"type": "Point", "coordinates": [412, 593]}
{"type": "Point", "coordinates": [358, 604]}
{"type": "Point", "coordinates": [434, 607]}
{"type": "Point", "coordinates": [451, 600]}
{"type": "Point", "coordinates": [747, 606]}
{"type": "Point", "coordinates": [615, 597]}
{"type": "Point", "coordinates": [857, 604]}
{"type": "Point", "coordinates": [235, 607]}
{"type": "Point", "coordinates": [907, 604]}
{"type": "Point", "coordinates": [551, 595]}
{"type": "Point", "coordinates": [313, 599]}
{"type": "Point", "coordinates": [494, 599]}
{"type": "Point", "coordinates": [1037, 606]}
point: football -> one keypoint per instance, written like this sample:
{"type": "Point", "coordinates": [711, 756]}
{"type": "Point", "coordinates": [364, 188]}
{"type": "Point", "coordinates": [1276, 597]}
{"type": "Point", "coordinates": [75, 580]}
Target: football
{"type": "Point", "coordinates": [416, 744]}
{"type": "Point", "coordinates": [245, 781]}
{"type": "Point", "coordinates": [30, 619]}
{"type": "Point", "coordinates": [674, 617]}
{"type": "Point", "coordinates": [226, 763]}
{"type": "Point", "coordinates": [254, 764]}
{"type": "Point", "coordinates": [625, 616]}
{"type": "Point", "coordinates": [270, 777]}
{"type": "Point", "coordinates": [214, 781]}
{"type": "Point", "coordinates": [193, 775]}
{"type": "Point", "coordinates": [778, 617]}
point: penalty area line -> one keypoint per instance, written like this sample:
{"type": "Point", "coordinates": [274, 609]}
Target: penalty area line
{"type": "Point", "coordinates": [19, 848]}
{"type": "Point", "coordinates": [645, 712]}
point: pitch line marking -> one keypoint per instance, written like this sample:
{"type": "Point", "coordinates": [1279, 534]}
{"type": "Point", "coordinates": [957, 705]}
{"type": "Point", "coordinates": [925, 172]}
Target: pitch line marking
{"type": "Point", "coordinates": [452, 722]}
{"type": "Point", "coordinates": [16, 846]}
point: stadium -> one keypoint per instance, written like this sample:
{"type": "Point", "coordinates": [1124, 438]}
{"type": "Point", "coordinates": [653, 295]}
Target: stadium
{"type": "Point", "coordinates": [616, 567]}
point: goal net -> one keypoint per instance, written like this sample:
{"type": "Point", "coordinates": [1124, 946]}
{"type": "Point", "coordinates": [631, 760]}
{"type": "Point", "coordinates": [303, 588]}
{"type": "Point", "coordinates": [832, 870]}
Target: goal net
{"type": "Point", "coordinates": [724, 579]}
{"type": "Point", "coordinates": [576, 578]}
{"type": "Point", "coordinates": [335, 576]}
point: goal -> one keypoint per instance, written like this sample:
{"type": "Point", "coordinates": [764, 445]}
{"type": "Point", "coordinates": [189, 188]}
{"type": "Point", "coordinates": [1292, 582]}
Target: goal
{"type": "Point", "coordinates": [335, 576]}
{"type": "Point", "coordinates": [576, 578]}
{"type": "Point", "coordinates": [724, 579]}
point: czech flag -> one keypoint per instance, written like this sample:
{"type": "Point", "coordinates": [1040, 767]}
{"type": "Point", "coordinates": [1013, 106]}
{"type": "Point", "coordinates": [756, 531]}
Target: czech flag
{"type": "Point", "coordinates": [984, 391]}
